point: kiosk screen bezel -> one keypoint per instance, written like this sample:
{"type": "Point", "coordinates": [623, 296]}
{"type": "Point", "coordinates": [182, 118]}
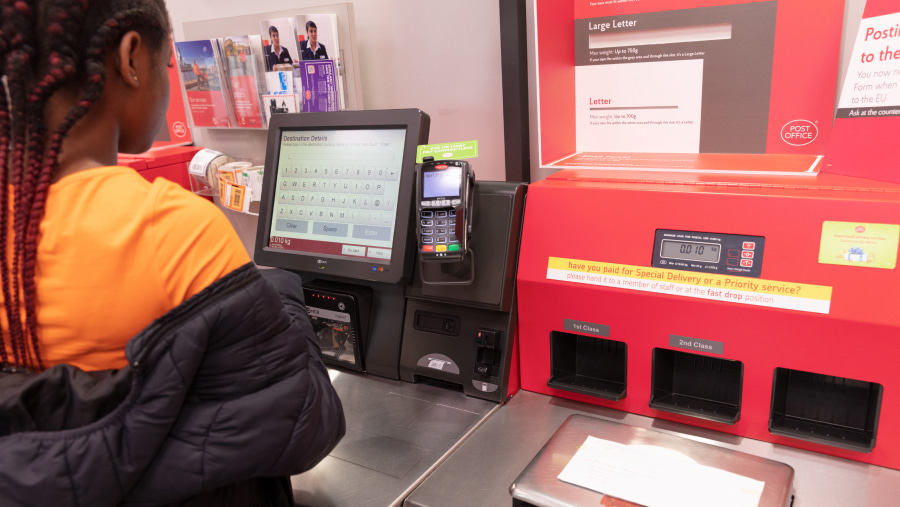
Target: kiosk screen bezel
{"type": "Point", "coordinates": [415, 123]}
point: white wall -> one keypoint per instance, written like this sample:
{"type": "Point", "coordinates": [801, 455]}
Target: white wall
{"type": "Point", "coordinates": [440, 56]}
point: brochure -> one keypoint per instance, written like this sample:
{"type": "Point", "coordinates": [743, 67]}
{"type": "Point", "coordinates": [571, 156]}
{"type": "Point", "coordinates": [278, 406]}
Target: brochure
{"type": "Point", "coordinates": [246, 68]}
{"type": "Point", "coordinates": [279, 49]}
{"type": "Point", "coordinates": [325, 29]}
{"type": "Point", "coordinates": [277, 103]}
{"type": "Point", "coordinates": [201, 73]}
{"type": "Point", "coordinates": [317, 37]}
{"type": "Point", "coordinates": [320, 91]}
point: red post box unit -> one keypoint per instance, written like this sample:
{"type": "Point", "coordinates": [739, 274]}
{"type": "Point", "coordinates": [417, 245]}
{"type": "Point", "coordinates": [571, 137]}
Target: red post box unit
{"type": "Point", "coordinates": [170, 163]}
{"type": "Point", "coordinates": [761, 306]}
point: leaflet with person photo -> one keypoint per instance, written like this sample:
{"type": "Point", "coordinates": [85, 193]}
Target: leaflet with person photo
{"type": "Point", "coordinates": [317, 37]}
{"type": "Point", "coordinates": [279, 49]}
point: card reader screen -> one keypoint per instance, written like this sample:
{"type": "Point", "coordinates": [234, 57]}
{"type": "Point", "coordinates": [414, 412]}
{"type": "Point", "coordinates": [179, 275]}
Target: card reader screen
{"type": "Point", "coordinates": [442, 182]}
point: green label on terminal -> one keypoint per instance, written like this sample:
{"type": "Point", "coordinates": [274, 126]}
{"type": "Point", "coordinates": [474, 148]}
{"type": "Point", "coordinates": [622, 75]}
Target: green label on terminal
{"type": "Point", "coordinates": [447, 151]}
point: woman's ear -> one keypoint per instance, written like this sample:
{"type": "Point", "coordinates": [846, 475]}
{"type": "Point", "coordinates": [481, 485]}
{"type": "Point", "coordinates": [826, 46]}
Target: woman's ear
{"type": "Point", "coordinates": [127, 66]}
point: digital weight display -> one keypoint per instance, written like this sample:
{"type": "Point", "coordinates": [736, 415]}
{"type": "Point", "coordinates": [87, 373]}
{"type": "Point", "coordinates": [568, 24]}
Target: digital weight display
{"type": "Point", "coordinates": [690, 250]}
{"type": "Point", "coordinates": [708, 252]}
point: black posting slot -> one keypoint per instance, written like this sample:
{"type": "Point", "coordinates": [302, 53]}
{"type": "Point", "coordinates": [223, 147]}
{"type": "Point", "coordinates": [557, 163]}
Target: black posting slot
{"type": "Point", "coordinates": [435, 323]}
{"type": "Point", "coordinates": [696, 385]}
{"type": "Point", "coordinates": [829, 410]}
{"type": "Point", "coordinates": [588, 365]}
{"type": "Point", "coordinates": [443, 384]}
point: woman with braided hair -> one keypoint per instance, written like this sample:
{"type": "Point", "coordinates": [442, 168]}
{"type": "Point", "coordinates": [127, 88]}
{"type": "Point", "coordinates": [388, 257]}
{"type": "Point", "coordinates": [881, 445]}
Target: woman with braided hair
{"type": "Point", "coordinates": [144, 358]}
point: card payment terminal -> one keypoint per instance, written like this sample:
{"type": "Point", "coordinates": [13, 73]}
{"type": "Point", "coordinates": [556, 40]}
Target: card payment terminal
{"type": "Point", "coordinates": [444, 209]}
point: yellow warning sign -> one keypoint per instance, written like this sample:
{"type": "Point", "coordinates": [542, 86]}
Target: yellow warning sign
{"type": "Point", "coordinates": [735, 289]}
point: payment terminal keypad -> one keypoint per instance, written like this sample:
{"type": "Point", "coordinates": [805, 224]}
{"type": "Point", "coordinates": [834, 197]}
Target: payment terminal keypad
{"type": "Point", "coordinates": [439, 231]}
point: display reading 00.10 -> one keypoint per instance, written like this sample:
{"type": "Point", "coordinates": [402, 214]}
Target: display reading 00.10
{"type": "Point", "coordinates": [690, 251]}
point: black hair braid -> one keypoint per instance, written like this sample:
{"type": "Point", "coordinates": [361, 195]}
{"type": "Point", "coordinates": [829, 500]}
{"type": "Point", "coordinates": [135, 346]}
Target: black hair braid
{"type": "Point", "coordinates": [4, 156]}
{"type": "Point", "coordinates": [77, 35]}
{"type": "Point", "coordinates": [105, 39]}
{"type": "Point", "coordinates": [18, 29]}
{"type": "Point", "coordinates": [58, 69]}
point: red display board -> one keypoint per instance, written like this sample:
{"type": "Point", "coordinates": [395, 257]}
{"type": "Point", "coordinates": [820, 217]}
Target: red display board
{"type": "Point", "coordinates": [175, 132]}
{"type": "Point", "coordinates": [169, 162]}
{"type": "Point", "coordinates": [686, 77]}
{"type": "Point", "coordinates": [800, 352]}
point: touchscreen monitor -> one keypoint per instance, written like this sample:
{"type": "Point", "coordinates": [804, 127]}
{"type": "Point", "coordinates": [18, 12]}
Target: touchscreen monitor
{"type": "Point", "coordinates": [337, 193]}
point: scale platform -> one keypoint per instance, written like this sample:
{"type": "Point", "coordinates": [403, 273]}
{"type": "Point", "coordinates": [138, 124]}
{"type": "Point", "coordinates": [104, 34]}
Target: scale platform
{"type": "Point", "coordinates": [673, 466]}
{"type": "Point", "coordinates": [396, 433]}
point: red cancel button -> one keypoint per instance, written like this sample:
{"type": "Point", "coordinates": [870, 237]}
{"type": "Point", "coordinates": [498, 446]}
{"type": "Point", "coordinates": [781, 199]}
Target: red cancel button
{"type": "Point", "coordinates": [749, 245]}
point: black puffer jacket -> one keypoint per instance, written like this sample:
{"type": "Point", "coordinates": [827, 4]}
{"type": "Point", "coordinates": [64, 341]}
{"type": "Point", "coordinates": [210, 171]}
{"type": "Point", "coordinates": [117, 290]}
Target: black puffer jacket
{"type": "Point", "coordinates": [225, 397]}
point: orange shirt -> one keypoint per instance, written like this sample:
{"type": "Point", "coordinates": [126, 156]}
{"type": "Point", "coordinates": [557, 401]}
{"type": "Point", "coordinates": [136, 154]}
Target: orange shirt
{"type": "Point", "coordinates": [115, 253]}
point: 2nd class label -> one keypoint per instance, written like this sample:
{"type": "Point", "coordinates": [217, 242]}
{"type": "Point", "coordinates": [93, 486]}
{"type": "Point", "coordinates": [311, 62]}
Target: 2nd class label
{"type": "Point", "coordinates": [694, 344]}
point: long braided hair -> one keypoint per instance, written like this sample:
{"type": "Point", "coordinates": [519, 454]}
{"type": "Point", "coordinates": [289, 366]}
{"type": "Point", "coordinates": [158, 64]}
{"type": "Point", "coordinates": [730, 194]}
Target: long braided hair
{"type": "Point", "coordinates": [45, 46]}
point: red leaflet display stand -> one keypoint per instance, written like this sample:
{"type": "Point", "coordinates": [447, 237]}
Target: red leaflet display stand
{"type": "Point", "coordinates": [760, 306]}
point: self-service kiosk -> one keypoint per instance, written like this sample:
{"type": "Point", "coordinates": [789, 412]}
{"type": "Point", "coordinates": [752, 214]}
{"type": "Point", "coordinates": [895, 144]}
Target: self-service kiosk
{"type": "Point", "coordinates": [460, 324]}
{"type": "Point", "coordinates": [761, 306]}
{"type": "Point", "coordinates": [338, 207]}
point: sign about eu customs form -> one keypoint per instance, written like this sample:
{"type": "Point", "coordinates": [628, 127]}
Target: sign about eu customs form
{"type": "Point", "coordinates": [863, 143]}
{"type": "Point", "coordinates": [731, 289]}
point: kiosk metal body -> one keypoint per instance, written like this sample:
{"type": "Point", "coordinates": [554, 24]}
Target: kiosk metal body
{"type": "Point", "coordinates": [465, 334]}
{"type": "Point", "coordinates": [822, 378]}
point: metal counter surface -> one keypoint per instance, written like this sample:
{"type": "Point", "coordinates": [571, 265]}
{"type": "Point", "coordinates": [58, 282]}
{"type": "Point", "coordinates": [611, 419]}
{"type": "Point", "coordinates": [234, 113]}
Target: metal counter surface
{"type": "Point", "coordinates": [396, 432]}
{"type": "Point", "coordinates": [481, 470]}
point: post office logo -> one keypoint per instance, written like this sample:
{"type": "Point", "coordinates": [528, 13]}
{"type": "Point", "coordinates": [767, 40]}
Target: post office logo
{"type": "Point", "coordinates": [799, 132]}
